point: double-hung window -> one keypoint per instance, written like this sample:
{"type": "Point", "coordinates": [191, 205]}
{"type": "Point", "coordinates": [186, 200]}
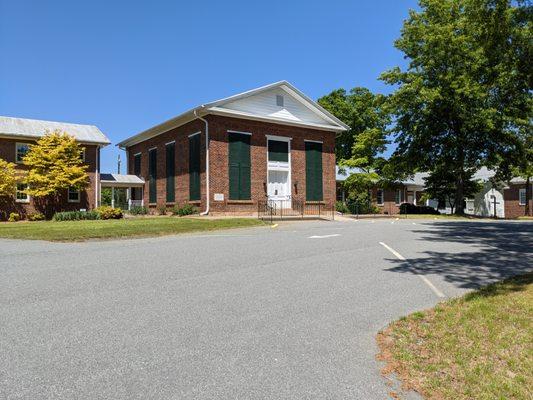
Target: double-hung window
{"type": "Point", "coordinates": [379, 197]}
{"type": "Point", "coordinates": [73, 195]}
{"type": "Point", "coordinates": [21, 150]}
{"type": "Point", "coordinates": [21, 196]}
{"type": "Point", "coordinates": [522, 197]}
{"type": "Point", "coordinates": [398, 198]}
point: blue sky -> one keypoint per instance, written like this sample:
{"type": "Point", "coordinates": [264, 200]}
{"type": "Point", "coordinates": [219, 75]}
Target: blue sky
{"type": "Point", "coordinates": [127, 65]}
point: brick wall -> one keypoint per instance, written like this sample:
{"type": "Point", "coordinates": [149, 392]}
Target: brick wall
{"type": "Point", "coordinates": [181, 181]}
{"type": "Point", "coordinates": [87, 197]}
{"type": "Point", "coordinates": [511, 198]}
{"type": "Point", "coordinates": [219, 180]}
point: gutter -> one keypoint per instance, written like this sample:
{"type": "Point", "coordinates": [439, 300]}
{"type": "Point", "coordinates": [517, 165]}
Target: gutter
{"type": "Point", "coordinates": [206, 212]}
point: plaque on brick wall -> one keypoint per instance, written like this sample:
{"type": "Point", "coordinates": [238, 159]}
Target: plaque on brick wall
{"type": "Point", "coordinates": [219, 196]}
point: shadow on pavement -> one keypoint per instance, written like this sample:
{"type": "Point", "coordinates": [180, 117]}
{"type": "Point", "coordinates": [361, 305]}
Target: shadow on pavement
{"type": "Point", "coordinates": [498, 250]}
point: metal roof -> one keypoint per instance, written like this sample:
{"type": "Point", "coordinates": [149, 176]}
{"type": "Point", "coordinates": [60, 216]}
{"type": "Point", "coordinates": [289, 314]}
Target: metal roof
{"type": "Point", "coordinates": [34, 128]}
{"type": "Point", "coordinates": [214, 108]}
{"type": "Point", "coordinates": [120, 180]}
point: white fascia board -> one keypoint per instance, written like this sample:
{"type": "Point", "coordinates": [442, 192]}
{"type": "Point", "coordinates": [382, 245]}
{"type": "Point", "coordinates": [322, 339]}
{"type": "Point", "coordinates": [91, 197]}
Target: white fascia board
{"type": "Point", "coordinates": [244, 115]}
{"type": "Point", "coordinates": [36, 138]}
{"type": "Point", "coordinates": [154, 131]}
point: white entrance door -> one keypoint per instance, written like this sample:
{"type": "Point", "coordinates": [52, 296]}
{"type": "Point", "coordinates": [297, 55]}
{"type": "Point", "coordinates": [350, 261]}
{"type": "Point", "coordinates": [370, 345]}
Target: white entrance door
{"type": "Point", "coordinates": [278, 188]}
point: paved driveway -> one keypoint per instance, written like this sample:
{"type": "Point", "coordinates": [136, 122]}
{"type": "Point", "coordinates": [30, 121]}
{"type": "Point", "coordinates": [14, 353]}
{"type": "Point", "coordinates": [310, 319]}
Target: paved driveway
{"type": "Point", "coordinates": [284, 313]}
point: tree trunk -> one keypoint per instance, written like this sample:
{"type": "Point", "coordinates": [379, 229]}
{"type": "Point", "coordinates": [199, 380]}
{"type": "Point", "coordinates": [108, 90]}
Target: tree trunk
{"type": "Point", "coordinates": [459, 195]}
{"type": "Point", "coordinates": [527, 210]}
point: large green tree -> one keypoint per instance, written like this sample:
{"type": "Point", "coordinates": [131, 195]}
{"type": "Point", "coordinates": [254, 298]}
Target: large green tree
{"type": "Point", "coordinates": [466, 90]}
{"type": "Point", "coordinates": [362, 110]}
{"type": "Point", "coordinates": [362, 145]}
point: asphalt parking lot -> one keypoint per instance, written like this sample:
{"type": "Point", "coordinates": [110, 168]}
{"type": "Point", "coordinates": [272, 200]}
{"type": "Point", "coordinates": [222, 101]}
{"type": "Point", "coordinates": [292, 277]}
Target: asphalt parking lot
{"type": "Point", "coordinates": [264, 313]}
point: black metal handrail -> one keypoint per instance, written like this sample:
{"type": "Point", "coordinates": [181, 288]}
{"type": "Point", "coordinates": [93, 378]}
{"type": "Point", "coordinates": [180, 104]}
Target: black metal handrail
{"type": "Point", "coordinates": [284, 209]}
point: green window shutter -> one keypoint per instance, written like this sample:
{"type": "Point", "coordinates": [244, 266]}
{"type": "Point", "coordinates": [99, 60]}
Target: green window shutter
{"type": "Point", "coordinates": [194, 167]}
{"type": "Point", "coordinates": [278, 151]}
{"type": "Point", "coordinates": [152, 175]}
{"type": "Point", "coordinates": [137, 164]}
{"type": "Point", "coordinates": [239, 166]}
{"type": "Point", "coordinates": [313, 171]}
{"type": "Point", "coordinates": [171, 169]}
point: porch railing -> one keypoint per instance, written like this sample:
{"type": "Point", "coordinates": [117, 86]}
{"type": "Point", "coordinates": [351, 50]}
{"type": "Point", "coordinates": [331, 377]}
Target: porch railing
{"type": "Point", "coordinates": [294, 209]}
{"type": "Point", "coordinates": [135, 203]}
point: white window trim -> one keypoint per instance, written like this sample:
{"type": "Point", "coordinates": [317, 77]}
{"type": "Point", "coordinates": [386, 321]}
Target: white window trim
{"type": "Point", "coordinates": [314, 141]}
{"type": "Point", "coordinates": [239, 132]}
{"type": "Point", "coordinates": [169, 143]}
{"type": "Point", "coordinates": [382, 203]}
{"type": "Point", "coordinates": [25, 201]}
{"type": "Point", "coordinates": [278, 166]}
{"type": "Point", "coordinates": [73, 201]}
{"type": "Point", "coordinates": [17, 144]}
{"type": "Point", "coordinates": [139, 153]}
{"type": "Point", "coordinates": [83, 154]}
{"type": "Point", "coordinates": [520, 191]}
{"type": "Point", "coordinates": [279, 138]}
{"type": "Point", "coordinates": [194, 134]}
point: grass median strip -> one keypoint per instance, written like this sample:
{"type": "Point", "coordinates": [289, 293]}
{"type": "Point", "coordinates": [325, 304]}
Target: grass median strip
{"type": "Point", "coordinates": [111, 229]}
{"type": "Point", "coordinates": [477, 346]}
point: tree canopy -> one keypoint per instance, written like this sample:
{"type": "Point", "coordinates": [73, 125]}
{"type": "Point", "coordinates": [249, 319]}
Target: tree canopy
{"type": "Point", "coordinates": [8, 178]}
{"type": "Point", "coordinates": [362, 110]}
{"type": "Point", "coordinates": [466, 91]}
{"type": "Point", "coordinates": [54, 165]}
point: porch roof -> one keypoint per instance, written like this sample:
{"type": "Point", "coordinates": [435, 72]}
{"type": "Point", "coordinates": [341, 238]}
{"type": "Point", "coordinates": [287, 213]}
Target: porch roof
{"type": "Point", "coordinates": [119, 180]}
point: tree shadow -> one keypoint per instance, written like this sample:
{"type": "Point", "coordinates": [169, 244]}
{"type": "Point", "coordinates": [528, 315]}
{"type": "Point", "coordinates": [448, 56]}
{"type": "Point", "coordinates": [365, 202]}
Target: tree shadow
{"type": "Point", "coordinates": [498, 250]}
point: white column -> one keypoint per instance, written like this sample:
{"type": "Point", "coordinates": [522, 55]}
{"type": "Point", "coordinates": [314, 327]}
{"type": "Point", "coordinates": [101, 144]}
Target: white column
{"type": "Point", "coordinates": [113, 197]}
{"type": "Point", "coordinates": [414, 197]}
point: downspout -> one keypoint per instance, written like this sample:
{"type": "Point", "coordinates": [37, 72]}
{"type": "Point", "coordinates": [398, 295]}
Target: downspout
{"type": "Point", "coordinates": [206, 212]}
{"type": "Point", "coordinates": [96, 178]}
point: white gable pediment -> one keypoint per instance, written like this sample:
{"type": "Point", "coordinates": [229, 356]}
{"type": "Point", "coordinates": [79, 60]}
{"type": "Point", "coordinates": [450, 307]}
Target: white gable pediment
{"type": "Point", "coordinates": [264, 103]}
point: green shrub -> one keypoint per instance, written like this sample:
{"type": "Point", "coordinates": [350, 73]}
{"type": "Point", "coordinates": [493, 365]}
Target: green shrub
{"type": "Point", "coordinates": [187, 209]}
{"type": "Point", "coordinates": [138, 210]}
{"type": "Point", "coordinates": [361, 203]}
{"type": "Point", "coordinates": [75, 216]}
{"type": "Point", "coordinates": [14, 217]}
{"type": "Point", "coordinates": [35, 216]}
{"type": "Point", "coordinates": [106, 212]}
{"type": "Point", "coordinates": [162, 210]}
{"type": "Point", "coordinates": [341, 207]}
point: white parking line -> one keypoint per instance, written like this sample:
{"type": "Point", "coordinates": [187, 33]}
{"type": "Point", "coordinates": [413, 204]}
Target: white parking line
{"type": "Point", "coordinates": [426, 280]}
{"type": "Point", "coordinates": [324, 236]}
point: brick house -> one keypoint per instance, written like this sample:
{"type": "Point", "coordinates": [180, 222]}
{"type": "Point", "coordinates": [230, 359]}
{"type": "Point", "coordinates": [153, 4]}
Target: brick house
{"type": "Point", "coordinates": [514, 196]}
{"type": "Point", "coordinates": [16, 134]}
{"type": "Point", "coordinates": [387, 199]}
{"type": "Point", "coordinates": [270, 143]}
{"type": "Point", "coordinates": [506, 200]}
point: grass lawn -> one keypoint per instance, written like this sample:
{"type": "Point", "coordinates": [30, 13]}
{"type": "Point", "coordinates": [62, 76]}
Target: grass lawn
{"type": "Point", "coordinates": [132, 227]}
{"type": "Point", "coordinates": [475, 347]}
